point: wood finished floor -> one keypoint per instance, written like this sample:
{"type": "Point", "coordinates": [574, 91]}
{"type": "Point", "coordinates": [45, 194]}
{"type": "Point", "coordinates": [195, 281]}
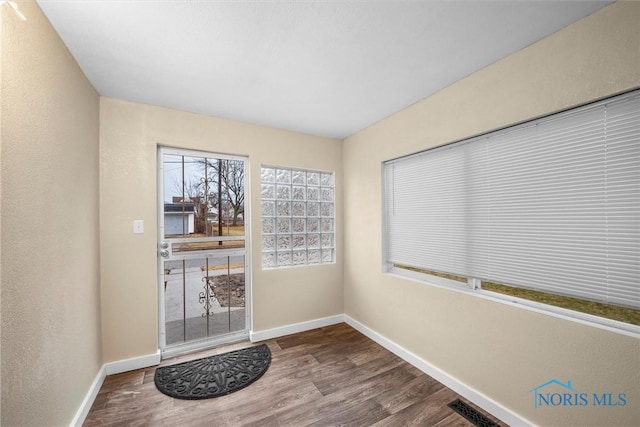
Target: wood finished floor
{"type": "Point", "coordinates": [325, 377]}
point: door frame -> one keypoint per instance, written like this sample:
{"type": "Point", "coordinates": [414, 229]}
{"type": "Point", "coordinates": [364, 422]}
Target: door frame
{"type": "Point", "coordinates": [205, 343]}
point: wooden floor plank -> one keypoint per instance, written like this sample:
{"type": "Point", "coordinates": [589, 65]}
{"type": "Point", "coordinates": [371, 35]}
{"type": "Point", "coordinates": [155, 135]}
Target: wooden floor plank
{"type": "Point", "coordinates": [362, 414]}
{"type": "Point", "coordinates": [328, 376]}
{"type": "Point", "coordinates": [428, 411]}
{"type": "Point", "coordinates": [409, 393]}
{"type": "Point", "coordinates": [340, 380]}
{"type": "Point", "coordinates": [255, 410]}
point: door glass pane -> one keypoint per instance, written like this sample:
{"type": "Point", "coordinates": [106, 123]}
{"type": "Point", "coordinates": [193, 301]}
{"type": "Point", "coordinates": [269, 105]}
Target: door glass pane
{"type": "Point", "coordinates": [204, 297]}
{"type": "Point", "coordinates": [226, 286]}
{"type": "Point", "coordinates": [203, 197]}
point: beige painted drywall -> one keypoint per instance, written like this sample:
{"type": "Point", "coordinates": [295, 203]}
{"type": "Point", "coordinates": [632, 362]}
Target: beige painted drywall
{"type": "Point", "coordinates": [50, 292]}
{"type": "Point", "coordinates": [1, 102]}
{"type": "Point", "coordinates": [1, 19]}
{"type": "Point", "coordinates": [129, 136]}
{"type": "Point", "coordinates": [499, 350]}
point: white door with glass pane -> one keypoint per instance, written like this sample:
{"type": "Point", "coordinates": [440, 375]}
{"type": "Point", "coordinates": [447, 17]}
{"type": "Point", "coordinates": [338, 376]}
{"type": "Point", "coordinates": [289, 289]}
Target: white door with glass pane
{"type": "Point", "coordinates": [202, 249]}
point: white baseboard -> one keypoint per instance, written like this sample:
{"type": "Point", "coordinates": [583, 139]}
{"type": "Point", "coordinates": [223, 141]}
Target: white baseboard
{"type": "Point", "coordinates": [459, 387]}
{"type": "Point", "coordinates": [86, 404]}
{"type": "Point", "coordinates": [110, 369]}
{"type": "Point", "coordinates": [132, 364]}
{"type": "Point", "coordinates": [295, 328]}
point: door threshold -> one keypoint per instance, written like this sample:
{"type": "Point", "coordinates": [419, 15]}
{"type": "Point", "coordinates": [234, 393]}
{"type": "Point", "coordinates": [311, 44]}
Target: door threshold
{"type": "Point", "coordinates": [206, 344]}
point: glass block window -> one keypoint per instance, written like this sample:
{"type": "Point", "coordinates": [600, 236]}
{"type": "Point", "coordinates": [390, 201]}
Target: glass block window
{"type": "Point", "coordinates": [298, 217]}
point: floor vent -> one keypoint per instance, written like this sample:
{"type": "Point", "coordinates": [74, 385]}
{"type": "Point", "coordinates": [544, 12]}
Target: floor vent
{"type": "Point", "coordinates": [471, 414]}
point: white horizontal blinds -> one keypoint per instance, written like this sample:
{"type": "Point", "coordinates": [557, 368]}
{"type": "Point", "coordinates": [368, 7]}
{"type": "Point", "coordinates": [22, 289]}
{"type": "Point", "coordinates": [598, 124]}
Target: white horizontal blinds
{"type": "Point", "coordinates": [552, 205]}
{"type": "Point", "coordinates": [427, 210]}
{"type": "Point", "coordinates": [546, 225]}
{"type": "Point", "coordinates": [623, 200]}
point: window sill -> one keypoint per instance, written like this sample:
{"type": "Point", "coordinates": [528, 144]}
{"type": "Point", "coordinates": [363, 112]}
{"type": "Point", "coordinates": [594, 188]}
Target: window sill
{"type": "Point", "coordinates": [537, 307]}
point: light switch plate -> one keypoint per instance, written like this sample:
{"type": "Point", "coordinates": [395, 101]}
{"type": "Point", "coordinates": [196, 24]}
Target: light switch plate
{"type": "Point", "coordinates": [138, 226]}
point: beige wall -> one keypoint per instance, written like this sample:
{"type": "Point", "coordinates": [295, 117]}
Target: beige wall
{"type": "Point", "coordinates": [1, 102]}
{"type": "Point", "coordinates": [129, 136]}
{"type": "Point", "coordinates": [50, 293]}
{"type": "Point", "coordinates": [499, 350]}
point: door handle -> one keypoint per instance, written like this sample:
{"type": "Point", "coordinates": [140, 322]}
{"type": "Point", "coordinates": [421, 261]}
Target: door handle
{"type": "Point", "coordinates": [164, 251]}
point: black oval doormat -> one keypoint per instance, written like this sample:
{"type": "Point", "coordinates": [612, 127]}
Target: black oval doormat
{"type": "Point", "coordinates": [214, 376]}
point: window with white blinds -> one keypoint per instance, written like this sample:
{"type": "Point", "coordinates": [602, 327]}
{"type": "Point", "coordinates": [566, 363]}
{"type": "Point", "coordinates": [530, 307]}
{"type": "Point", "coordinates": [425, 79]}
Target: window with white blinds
{"type": "Point", "coordinates": [551, 205]}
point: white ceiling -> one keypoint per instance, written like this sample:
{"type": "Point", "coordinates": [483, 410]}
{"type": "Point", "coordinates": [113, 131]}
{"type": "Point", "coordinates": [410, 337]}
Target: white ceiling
{"type": "Point", "coordinates": [327, 68]}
